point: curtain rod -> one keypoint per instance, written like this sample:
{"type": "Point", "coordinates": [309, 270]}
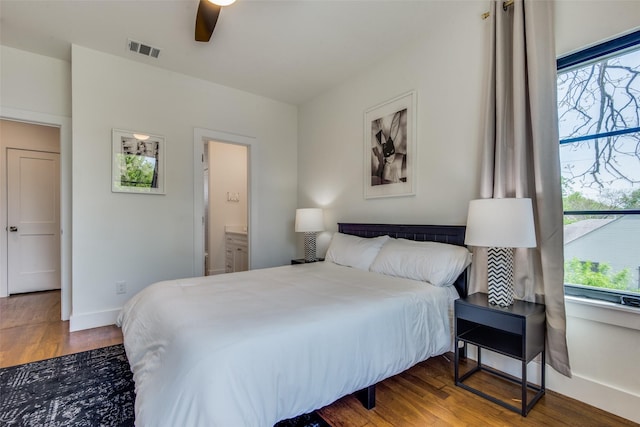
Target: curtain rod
{"type": "Point", "coordinates": [505, 5]}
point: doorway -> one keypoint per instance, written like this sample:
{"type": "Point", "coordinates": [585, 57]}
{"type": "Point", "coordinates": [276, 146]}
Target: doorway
{"type": "Point", "coordinates": [223, 222]}
{"type": "Point", "coordinates": [31, 194]}
{"type": "Point", "coordinates": [225, 207]}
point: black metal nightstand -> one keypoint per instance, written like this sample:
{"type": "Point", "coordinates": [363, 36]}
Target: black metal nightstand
{"type": "Point", "coordinates": [302, 261]}
{"type": "Point", "coordinates": [516, 331]}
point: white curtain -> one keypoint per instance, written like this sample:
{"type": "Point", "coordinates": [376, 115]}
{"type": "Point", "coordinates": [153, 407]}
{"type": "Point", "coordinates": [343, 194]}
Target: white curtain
{"type": "Point", "coordinates": [521, 156]}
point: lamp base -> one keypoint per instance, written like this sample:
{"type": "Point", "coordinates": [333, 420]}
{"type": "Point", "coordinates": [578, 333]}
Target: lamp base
{"type": "Point", "coordinates": [500, 276]}
{"type": "Point", "coordinates": [310, 247]}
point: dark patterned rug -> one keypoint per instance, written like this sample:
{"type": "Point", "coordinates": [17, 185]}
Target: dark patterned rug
{"type": "Point", "coordinates": [93, 388]}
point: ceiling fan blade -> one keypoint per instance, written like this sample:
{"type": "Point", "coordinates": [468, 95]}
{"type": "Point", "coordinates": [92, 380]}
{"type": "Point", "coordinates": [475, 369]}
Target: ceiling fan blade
{"type": "Point", "coordinates": [206, 20]}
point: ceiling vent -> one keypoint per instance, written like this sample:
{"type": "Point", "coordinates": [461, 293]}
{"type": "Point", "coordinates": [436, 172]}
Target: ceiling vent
{"type": "Point", "coordinates": [143, 49]}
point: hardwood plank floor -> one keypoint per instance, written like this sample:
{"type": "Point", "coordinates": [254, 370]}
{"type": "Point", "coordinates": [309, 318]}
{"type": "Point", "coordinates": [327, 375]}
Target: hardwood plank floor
{"type": "Point", "coordinates": [424, 395]}
{"type": "Point", "coordinates": [31, 330]}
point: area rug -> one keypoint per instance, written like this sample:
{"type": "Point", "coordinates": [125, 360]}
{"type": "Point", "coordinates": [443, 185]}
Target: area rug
{"type": "Point", "coordinates": [92, 388]}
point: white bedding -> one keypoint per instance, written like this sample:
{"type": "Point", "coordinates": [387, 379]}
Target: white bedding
{"type": "Point", "coordinates": [252, 348]}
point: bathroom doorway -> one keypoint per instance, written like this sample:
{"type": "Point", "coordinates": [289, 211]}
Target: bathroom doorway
{"type": "Point", "coordinates": [226, 207]}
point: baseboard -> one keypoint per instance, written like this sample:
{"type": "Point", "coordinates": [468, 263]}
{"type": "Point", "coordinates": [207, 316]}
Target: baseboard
{"type": "Point", "coordinates": [93, 320]}
{"type": "Point", "coordinates": [619, 402]}
{"type": "Point", "coordinates": [602, 396]}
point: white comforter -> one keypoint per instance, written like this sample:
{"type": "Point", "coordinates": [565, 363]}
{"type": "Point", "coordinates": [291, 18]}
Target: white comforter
{"type": "Point", "coordinates": [252, 348]}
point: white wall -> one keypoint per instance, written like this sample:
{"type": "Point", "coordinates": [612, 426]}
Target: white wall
{"type": "Point", "coordinates": [141, 239]}
{"type": "Point", "coordinates": [583, 23]}
{"type": "Point", "coordinates": [35, 83]}
{"type": "Point", "coordinates": [227, 174]}
{"type": "Point", "coordinates": [447, 70]}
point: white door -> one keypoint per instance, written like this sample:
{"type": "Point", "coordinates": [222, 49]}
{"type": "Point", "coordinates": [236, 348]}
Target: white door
{"type": "Point", "coordinates": [33, 215]}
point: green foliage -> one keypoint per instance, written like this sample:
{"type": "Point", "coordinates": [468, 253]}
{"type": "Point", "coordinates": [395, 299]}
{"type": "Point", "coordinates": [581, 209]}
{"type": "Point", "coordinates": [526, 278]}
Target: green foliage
{"type": "Point", "coordinates": [631, 201]}
{"type": "Point", "coordinates": [137, 171]}
{"type": "Point", "coordinates": [578, 202]}
{"type": "Point", "coordinates": [597, 275]}
{"type": "Point", "coordinates": [611, 200]}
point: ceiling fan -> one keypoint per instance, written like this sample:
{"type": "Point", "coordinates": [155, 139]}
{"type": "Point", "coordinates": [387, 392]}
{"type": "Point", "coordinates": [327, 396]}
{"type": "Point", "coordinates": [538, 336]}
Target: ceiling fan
{"type": "Point", "coordinates": [207, 17]}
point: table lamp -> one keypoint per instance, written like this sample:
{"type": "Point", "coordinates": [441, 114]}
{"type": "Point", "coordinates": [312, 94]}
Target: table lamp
{"type": "Point", "coordinates": [309, 221]}
{"type": "Point", "coordinates": [500, 225]}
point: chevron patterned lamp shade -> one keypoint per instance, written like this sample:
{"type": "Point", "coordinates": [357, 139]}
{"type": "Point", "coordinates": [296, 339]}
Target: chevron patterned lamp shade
{"type": "Point", "coordinates": [309, 221]}
{"type": "Point", "coordinates": [500, 225]}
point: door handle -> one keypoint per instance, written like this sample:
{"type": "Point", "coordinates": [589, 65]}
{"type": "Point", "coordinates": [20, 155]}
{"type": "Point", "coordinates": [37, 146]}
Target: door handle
{"type": "Point", "coordinates": [13, 229]}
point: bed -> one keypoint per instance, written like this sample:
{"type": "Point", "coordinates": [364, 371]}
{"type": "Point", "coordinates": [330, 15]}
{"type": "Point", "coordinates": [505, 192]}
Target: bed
{"type": "Point", "coordinates": [256, 347]}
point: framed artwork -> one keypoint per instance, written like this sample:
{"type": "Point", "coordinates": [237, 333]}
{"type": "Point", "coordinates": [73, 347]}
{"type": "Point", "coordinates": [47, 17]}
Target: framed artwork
{"type": "Point", "coordinates": [390, 148]}
{"type": "Point", "coordinates": [137, 162]}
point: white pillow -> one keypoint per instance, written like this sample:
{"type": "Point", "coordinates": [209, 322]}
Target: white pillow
{"type": "Point", "coordinates": [437, 263]}
{"type": "Point", "coordinates": [354, 251]}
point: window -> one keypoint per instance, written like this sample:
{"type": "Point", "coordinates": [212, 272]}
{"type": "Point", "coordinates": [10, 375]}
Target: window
{"type": "Point", "coordinates": [599, 124]}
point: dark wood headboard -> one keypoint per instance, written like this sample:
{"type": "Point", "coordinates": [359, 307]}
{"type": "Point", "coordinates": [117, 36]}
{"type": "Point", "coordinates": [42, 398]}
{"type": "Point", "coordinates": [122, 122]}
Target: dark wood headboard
{"type": "Point", "coordinates": [451, 234]}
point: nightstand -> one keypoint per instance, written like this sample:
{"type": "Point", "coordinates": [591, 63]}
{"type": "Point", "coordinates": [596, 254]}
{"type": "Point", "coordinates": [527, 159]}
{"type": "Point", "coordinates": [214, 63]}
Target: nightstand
{"type": "Point", "coordinates": [516, 331]}
{"type": "Point", "coordinates": [302, 261]}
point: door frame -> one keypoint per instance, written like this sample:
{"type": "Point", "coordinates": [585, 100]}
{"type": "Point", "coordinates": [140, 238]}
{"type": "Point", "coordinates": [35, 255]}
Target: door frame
{"type": "Point", "coordinates": [64, 124]}
{"type": "Point", "coordinates": [200, 138]}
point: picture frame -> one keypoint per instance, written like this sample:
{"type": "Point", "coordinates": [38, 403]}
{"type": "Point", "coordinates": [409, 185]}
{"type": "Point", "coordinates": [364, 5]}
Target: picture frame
{"type": "Point", "coordinates": [138, 162]}
{"type": "Point", "coordinates": [390, 148]}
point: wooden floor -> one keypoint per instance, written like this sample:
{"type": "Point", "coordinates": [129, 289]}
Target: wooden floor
{"type": "Point", "coordinates": [425, 395]}
{"type": "Point", "coordinates": [31, 329]}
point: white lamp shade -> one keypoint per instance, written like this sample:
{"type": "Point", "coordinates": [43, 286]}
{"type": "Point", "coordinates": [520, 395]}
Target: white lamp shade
{"type": "Point", "coordinates": [501, 223]}
{"type": "Point", "coordinates": [222, 2]}
{"type": "Point", "coordinates": [309, 220]}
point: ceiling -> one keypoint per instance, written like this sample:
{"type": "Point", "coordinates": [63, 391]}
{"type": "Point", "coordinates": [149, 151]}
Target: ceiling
{"type": "Point", "coordinates": [290, 51]}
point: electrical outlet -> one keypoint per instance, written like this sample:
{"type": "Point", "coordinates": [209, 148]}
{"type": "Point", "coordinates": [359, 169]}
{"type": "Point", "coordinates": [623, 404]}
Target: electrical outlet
{"type": "Point", "coordinates": [121, 287]}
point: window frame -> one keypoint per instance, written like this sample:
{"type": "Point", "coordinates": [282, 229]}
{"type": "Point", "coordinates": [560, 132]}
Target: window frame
{"type": "Point", "coordinates": [594, 53]}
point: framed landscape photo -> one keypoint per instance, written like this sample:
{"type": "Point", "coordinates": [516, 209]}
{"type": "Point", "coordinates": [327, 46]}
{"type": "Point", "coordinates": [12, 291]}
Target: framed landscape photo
{"type": "Point", "coordinates": [137, 162]}
{"type": "Point", "coordinates": [390, 148]}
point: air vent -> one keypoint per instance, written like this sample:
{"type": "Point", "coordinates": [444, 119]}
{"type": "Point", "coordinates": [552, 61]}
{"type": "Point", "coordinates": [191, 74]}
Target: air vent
{"type": "Point", "coordinates": [143, 49]}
